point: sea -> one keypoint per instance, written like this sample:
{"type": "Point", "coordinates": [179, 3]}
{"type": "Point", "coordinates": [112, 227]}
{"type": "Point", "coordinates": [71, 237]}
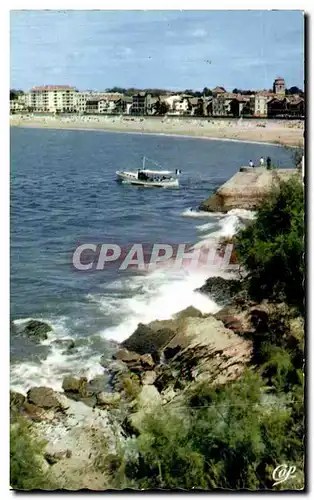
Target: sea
{"type": "Point", "coordinates": [64, 194]}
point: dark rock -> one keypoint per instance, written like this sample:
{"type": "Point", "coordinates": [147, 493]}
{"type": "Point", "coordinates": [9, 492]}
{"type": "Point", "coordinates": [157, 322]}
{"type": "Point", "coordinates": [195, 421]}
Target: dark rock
{"type": "Point", "coordinates": [147, 362]}
{"type": "Point", "coordinates": [126, 356]}
{"type": "Point", "coordinates": [151, 338]}
{"type": "Point", "coordinates": [67, 344]}
{"type": "Point", "coordinates": [221, 290]}
{"type": "Point", "coordinates": [167, 376]}
{"type": "Point", "coordinates": [259, 319]}
{"type": "Point", "coordinates": [98, 384]}
{"type": "Point", "coordinates": [74, 385]}
{"type": "Point", "coordinates": [37, 330]}
{"type": "Point", "coordinates": [43, 397]}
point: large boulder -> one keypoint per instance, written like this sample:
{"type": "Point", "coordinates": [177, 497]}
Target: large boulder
{"type": "Point", "coordinates": [37, 330]}
{"type": "Point", "coordinates": [221, 290]}
{"type": "Point", "coordinates": [205, 349]}
{"type": "Point", "coordinates": [43, 397]}
{"type": "Point", "coordinates": [109, 399]}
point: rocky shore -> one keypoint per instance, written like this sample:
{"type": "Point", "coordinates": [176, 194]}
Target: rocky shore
{"type": "Point", "coordinates": [156, 367]}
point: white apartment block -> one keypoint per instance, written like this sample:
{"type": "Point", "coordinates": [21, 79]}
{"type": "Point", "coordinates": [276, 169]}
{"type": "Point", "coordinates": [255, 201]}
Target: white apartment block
{"type": "Point", "coordinates": [52, 98]}
{"type": "Point", "coordinates": [259, 105]}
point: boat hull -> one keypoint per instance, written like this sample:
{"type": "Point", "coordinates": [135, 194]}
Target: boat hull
{"type": "Point", "coordinates": [131, 178]}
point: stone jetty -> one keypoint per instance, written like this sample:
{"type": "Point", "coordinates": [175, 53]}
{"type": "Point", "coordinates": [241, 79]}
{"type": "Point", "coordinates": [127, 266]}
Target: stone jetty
{"type": "Point", "coordinates": [246, 188]}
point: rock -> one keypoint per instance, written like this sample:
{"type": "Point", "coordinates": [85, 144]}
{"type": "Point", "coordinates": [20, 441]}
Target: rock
{"type": "Point", "coordinates": [234, 319]}
{"type": "Point", "coordinates": [98, 384]}
{"type": "Point", "coordinates": [246, 189]}
{"type": "Point", "coordinates": [43, 397]}
{"type": "Point", "coordinates": [148, 397]}
{"type": "Point", "coordinates": [205, 350]}
{"type": "Point", "coordinates": [166, 376]}
{"type": "Point", "coordinates": [149, 377]}
{"type": "Point", "coordinates": [151, 338]}
{"type": "Point", "coordinates": [74, 385]}
{"type": "Point", "coordinates": [188, 313]}
{"type": "Point", "coordinates": [111, 399]}
{"type": "Point", "coordinates": [221, 290]}
{"type": "Point", "coordinates": [67, 344]}
{"type": "Point", "coordinates": [147, 362]}
{"type": "Point", "coordinates": [53, 458]}
{"type": "Point", "coordinates": [35, 413]}
{"type": "Point", "coordinates": [37, 330]}
{"type": "Point", "coordinates": [126, 356]}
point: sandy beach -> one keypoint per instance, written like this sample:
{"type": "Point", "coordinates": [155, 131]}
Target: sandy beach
{"type": "Point", "coordinates": [284, 132]}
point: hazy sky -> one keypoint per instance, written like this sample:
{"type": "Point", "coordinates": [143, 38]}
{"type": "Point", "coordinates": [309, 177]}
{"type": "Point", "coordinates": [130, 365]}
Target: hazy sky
{"type": "Point", "coordinates": [162, 49]}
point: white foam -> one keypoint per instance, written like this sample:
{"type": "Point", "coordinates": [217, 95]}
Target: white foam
{"type": "Point", "coordinates": [189, 212]}
{"type": "Point", "coordinates": [166, 292]}
{"type": "Point", "coordinates": [50, 372]}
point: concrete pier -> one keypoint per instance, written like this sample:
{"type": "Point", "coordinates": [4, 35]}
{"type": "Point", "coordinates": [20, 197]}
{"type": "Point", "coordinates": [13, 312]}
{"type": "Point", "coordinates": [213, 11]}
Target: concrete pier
{"type": "Point", "coordinates": [246, 188]}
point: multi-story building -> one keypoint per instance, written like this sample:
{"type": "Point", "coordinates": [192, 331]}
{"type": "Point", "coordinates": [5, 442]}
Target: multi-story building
{"type": "Point", "coordinates": [52, 98]}
{"type": "Point", "coordinates": [105, 105]}
{"type": "Point", "coordinates": [258, 104]}
{"type": "Point", "coordinates": [87, 95]}
{"type": "Point", "coordinates": [141, 104]}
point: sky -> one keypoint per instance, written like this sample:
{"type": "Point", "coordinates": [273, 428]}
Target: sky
{"type": "Point", "coordinates": [174, 50]}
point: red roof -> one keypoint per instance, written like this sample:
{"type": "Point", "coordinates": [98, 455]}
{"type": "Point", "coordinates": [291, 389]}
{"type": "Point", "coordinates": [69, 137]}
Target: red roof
{"type": "Point", "coordinates": [53, 87]}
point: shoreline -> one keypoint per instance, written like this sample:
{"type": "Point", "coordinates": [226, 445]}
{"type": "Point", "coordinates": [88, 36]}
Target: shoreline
{"type": "Point", "coordinates": [277, 133]}
{"type": "Point", "coordinates": [158, 134]}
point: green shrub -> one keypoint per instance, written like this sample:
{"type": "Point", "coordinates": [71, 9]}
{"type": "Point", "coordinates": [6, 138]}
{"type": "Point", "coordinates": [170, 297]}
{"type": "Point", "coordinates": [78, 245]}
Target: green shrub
{"type": "Point", "coordinates": [272, 247]}
{"type": "Point", "coordinates": [26, 457]}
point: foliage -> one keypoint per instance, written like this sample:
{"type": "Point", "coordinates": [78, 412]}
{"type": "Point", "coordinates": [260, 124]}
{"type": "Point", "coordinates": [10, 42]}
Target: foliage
{"type": "Point", "coordinates": [225, 437]}
{"type": "Point", "coordinates": [272, 247]}
{"type": "Point", "coordinates": [26, 457]}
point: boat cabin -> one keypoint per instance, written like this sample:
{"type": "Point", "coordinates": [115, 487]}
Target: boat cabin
{"type": "Point", "coordinates": [155, 175]}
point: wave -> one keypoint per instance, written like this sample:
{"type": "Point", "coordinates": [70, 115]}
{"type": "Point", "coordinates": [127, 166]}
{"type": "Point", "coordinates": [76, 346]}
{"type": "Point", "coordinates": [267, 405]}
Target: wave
{"type": "Point", "coordinates": [126, 302]}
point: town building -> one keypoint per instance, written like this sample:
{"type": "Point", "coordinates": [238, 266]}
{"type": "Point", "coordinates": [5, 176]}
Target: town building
{"type": "Point", "coordinates": [52, 99]}
{"type": "Point", "coordinates": [141, 104]}
{"type": "Point", "coordinates": [258, 104]}
{"type": "Point", "coordinates": [88, 95]}
{"type": "Point", "coordinates": [109, 104]}
{"type": "Point", "coordinates": [284, 107]}
{"type": "Point", "coordinates": [218, 90]}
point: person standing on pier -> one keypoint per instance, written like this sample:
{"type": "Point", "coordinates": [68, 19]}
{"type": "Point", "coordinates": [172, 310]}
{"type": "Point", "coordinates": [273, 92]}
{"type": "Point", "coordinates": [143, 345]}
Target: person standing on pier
{"type": "Point", "coordinates": [268, 162]}
{"type": "Point", "coordinates": [261, 162]}
{"type": "Point", "coordinates": [251, 164]}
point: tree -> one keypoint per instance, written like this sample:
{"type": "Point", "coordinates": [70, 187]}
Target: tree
{"type": "Point", "coordinates": [207, 92]}
{"type": "Point", "coordinates": [294, 90]}
{"type": "Point", "coordinates": [272, 247]}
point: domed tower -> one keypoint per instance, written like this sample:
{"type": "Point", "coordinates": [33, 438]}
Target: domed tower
{"type": "Point", "coordinates": [279, 86]}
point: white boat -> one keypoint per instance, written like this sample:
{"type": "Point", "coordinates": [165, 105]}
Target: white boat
{"type": "Point", "coordinates": [150, 178]}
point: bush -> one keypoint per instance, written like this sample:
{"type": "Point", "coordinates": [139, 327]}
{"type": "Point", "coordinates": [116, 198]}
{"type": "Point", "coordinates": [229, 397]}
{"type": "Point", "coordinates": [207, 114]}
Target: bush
{"type": "Point", "coordinates": [272, 247]}
{"type": "Point", "coordinates": [225, 437]}
{"type": "Point", "coordinates": [26, 458]}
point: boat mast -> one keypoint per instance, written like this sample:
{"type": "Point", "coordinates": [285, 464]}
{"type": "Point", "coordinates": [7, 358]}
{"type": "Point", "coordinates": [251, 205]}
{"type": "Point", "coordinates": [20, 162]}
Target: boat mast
{"type": "Point", "coordinates": [143, 163]}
